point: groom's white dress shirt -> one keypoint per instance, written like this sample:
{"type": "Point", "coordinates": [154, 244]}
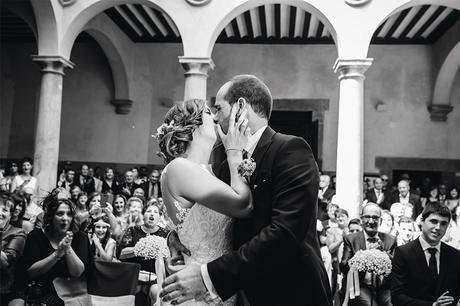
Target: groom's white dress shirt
{"type": "Point", "coordinates": [250, 147]}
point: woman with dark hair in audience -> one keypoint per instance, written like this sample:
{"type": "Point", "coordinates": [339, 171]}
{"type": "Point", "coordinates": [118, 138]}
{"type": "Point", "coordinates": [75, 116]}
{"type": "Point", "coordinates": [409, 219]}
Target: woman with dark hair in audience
{"type": "Point", "coordinates": [151, 215]}
{"type": "Point", "coordinates": [102, 246]}
{"type": "Point", "coordinates": [13, 239]}
{"type": "Point", "coordinates": [57, 250]}
{"type": "Point", "coordinates": [452, 198]}
{"type": "Point", "coordinates": [432, 197]}
{"type": "Point", "coordinates": [121, 215]}
{"type": "Point", "coordinates": [81, 212]}
{"type": "Point", "coordinates": [19, 203]}
{"type": "Point", "coordinates": [25, 179]}
{"type": "Point", "coordinates": [109, 182]}
{"type": "Point", "coordinates": [13, 171]}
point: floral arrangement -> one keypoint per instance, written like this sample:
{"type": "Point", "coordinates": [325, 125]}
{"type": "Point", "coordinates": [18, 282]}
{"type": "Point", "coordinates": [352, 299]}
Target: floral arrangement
{"type": "Point", "coordinates": [151, 247]}
{"type": "Point", "coordinates": [374, 261]}
{"type": "Point", "coordinates": [164, 129]}
{"type": "Point", "coordinates": [246, 168]}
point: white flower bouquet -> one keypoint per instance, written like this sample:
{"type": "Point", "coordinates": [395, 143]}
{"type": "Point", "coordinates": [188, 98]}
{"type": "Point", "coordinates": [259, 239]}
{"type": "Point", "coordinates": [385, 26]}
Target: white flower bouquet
{"type": "Point", "coordinates": [373, 261]}
{"type": "Point", "coordinates": [375, 265]}
{"type": "Point", "coordinates": [151, 247]}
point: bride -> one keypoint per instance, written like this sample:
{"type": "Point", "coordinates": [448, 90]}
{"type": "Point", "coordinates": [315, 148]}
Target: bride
{"type": "Point", "coordinates": [199, 204]}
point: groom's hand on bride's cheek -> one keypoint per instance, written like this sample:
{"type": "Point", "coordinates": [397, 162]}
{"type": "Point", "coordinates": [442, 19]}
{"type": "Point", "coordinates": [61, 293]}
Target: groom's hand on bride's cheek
{"type": "Point", "coordinates": [184, 285]}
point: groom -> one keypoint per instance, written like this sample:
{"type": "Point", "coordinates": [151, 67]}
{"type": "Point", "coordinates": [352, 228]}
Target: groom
{"type": "Point", "coordinates": [276, 258]}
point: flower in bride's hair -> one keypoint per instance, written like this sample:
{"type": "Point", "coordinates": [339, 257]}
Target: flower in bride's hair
{"type": "Point", "coordinates": [246, 168]}
{"type": "Point", "coordinates": [164, 129]}
{"type": "Point", "coordinates": [152, 247]}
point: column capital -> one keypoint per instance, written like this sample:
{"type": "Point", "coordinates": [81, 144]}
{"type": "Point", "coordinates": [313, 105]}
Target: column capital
{"type": "Point", "coordinates": [52, 63]}
{"type": "Point", "coordinates": [196, 65]}
{"type": "Point", "coordinates": [352, 68]}
{"type": "Point", "coordinates": [122, 106]}
{"type": "Point", "coordinates": [438, 112]}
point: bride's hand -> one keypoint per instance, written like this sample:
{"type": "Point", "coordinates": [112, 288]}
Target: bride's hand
{"type": "Point", "coordinates": [238, 133]}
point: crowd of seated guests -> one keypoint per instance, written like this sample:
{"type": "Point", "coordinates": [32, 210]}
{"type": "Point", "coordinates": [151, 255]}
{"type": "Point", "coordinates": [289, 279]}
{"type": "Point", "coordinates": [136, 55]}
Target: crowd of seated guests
{"type": "Point", "coordinates": [91, 217]}
{"type": "Point", "coordinates": [84, 219]}
{"type": "Point", "coordinates": [393, 215]}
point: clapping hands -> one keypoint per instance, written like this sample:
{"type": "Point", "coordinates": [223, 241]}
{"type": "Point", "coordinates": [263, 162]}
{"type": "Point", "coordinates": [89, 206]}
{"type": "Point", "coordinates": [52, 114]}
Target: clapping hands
{"type": "Point", "coordinates": [65, 244]}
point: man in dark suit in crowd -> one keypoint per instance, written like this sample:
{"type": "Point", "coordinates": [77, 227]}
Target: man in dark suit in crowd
{"type": "Point", "coordinates": [86, 182]}
{"type": "Point", "coordinates": [128, 187]}
{"type": "Point", "coordinates": [368, 239]}
{"type": "Point", "coordinates": [276, 258]}
{"type": "Point", "coordinates": [69, 180]}
{"type": "Point", "coordinates": [404, 196]}
{"type": "Point", "coordinates": [325, 194]}
{"type": "Point", "coordinates": [426, 271]}
{"type": "Point", "coordinates": [152, 187]}
{"type": "Point", "coordinates": [377, 195]}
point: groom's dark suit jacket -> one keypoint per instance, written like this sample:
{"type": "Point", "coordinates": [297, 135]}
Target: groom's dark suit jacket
{"type": "Point", "coordinates": [276, 259]}
{"type": "Point", "coordinates": [411, 281]}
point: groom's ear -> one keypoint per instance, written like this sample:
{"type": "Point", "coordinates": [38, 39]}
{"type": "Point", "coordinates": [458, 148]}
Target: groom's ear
{"type": "Point", "coordinates": [241, 103]}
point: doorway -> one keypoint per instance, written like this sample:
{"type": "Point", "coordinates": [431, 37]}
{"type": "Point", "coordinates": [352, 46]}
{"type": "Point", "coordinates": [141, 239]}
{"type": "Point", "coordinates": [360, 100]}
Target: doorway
{"type": "Point", "coordinates": [297, 123]}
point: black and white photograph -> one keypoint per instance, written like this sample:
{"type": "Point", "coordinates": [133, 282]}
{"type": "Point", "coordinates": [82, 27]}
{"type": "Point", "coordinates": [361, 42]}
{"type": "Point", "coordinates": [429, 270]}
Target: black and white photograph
{"type": "Point", "coordinates": [230, 152]}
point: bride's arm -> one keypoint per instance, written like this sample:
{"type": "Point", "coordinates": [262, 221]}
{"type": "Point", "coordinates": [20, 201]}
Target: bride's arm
{"type": "Point", "coordinates": [191, 182]}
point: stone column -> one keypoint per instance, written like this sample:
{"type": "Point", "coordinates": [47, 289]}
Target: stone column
{"type": "Point", "coordinates": [196, 75]}
{"type": "Point", "coordinates": [349, 183]}
{"type": "Point", "coordinates": [49, 121]}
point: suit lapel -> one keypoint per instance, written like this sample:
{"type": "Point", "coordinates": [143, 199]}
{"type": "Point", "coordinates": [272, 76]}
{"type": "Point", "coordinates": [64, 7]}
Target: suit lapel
{"type": "Point", "coordinates": [262, 146]}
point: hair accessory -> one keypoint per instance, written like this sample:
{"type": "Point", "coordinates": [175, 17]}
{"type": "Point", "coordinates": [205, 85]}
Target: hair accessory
{"type": "Point", "coordinates": [101, 222]}
{"type": "Point", "coordinates": [164, 129]}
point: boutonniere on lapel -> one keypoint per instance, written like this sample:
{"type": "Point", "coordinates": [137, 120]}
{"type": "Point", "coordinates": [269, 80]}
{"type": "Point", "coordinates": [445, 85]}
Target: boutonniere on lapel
{"type": "Point", "coordinates": [246, 168]}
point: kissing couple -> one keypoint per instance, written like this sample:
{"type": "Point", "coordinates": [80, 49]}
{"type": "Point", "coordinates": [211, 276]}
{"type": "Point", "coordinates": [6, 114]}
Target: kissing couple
{"type": "Point", "coordinates": [248, 223]}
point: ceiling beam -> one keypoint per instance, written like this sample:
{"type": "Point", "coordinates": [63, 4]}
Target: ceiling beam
{"type": "Point", "coordinates": [270, 19]}
{"type": "Point", "coordinates": [129, 21]}
{"type": "Point", "coordinates": [171, 24]}
{"type": "Point", "coordinates": [313, 28]}
{"type": "Point", "coordinates": [422, 21]}
{"type": "Point", "coordinates": [229, 30]}
{"type": "Point", "coordinates": [299, 22]}
{"type": "Point", "coordinates": [406, 21]}
{"type": "Point", "coordinates": [436, 22]}
{"type": "Point", "coordinates": [141, 19]}
{"type": "Point", "coordinates": [388, 24]}
{"type": "Point", "coordinates": [155, 20]}
{"type": "Point", "coordinates": [284, 20]}
{"type": "Point", "coordinates": [241, 25]}
{"type": "Point", "coordinates": [255, 22]}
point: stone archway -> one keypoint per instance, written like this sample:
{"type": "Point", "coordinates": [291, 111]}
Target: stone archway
{"type": "Point", "coordinates": [440, 106]}
{"type": "Point", "coordinates": [114, 46]}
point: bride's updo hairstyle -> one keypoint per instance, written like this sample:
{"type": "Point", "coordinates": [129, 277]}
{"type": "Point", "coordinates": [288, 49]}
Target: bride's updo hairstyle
{"type": "Point", "coordinates": [177, 130]}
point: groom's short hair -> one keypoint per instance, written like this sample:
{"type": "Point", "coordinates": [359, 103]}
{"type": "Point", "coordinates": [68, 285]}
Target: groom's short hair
{"type": "Point", "coordinates": [254, 91]}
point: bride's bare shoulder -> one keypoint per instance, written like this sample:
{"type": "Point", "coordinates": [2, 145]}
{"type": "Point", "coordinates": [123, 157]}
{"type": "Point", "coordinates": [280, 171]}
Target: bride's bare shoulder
{"type": "Point", "coordinates": [180, 166]}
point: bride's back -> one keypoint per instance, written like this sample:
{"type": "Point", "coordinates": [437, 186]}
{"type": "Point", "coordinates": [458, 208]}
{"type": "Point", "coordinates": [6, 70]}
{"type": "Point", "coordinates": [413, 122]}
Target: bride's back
{"type": "Point", "coordinates": [205, 232]}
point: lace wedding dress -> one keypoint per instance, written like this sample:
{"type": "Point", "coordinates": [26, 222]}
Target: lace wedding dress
{"type": "Point", "coordinates": [208, 235]}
